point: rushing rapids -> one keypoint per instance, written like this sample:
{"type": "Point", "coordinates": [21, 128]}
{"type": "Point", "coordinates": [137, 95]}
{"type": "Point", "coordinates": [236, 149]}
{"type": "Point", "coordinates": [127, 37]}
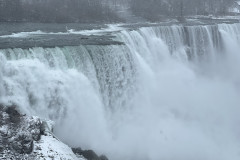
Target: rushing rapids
{"type": "Point", "coordinates": [166, 92]}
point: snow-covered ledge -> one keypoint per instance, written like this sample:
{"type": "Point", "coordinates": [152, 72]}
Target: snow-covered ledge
{"type": "Point", "coordinates": [24, 137]}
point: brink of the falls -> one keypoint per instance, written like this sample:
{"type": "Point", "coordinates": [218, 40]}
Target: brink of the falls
{"type": "Point", "coordinates": [157, 92]}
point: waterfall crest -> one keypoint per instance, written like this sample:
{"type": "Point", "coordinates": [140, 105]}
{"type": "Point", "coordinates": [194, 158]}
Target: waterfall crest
{"type": "Point", "coordinates": [164, 88]}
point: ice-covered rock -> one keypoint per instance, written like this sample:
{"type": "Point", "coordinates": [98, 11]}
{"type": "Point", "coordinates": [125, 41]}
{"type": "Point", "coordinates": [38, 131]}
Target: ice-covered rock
{"type": "Point", "coordinates": [28, 138]}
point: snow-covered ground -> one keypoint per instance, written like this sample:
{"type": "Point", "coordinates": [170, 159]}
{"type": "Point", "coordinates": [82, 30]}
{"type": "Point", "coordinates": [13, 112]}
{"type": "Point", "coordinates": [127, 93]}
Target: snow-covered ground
{"type": "Point", "coordinates": [49, 148]}
{"type": "Point", "coordinates": [29, 138]}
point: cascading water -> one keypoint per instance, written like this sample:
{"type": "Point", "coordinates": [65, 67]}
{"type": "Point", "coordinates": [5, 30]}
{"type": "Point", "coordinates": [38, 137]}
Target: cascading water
{"type": "Point", "coordinates": [170, 92]}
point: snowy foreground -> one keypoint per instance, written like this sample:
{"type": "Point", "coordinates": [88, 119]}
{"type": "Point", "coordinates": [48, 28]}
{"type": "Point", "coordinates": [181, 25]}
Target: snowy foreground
{"type": "Point", "coordinates": [51, 148]}
{"type": "Point", "coordinates": [29, 138]}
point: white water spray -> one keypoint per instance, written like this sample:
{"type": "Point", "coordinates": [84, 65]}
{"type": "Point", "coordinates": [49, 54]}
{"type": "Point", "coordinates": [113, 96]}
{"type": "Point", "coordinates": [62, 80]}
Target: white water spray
{"type": "Point", "coordinates": [169, 93]}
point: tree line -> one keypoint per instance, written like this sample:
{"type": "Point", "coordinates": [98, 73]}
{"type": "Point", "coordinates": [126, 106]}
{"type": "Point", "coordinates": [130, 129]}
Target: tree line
{"type": "Point", "coordinates": [102, 11]}
{"type": "Point", "coordinates": [55, 11]}
{"type": "Point", "coordinates": [153, 8]}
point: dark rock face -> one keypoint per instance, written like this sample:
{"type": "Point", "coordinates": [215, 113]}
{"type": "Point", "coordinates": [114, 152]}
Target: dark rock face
{"type": "Point", "coordinates": [103, 157]}
{"type": "Point", "coordinates": [17, 132]}
{"type": "Point", "coordinates": [89, 154]}
{"type": "Point", "coordinates": [14, 115]}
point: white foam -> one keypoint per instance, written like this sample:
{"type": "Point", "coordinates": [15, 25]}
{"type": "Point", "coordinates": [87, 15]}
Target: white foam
{"type": "Point", "coordinates": [179, 109]}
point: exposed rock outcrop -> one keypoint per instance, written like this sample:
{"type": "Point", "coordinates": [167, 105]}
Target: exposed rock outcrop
{"type": "Point", "coordinates": [28, 138]}
{"type": "Point", "coordinates": [18, 131]}
{"type": "Point", "coordinates": [89, 154]}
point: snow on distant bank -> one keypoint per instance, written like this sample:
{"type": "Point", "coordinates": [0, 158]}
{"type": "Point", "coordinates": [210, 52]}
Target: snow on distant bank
{"type": "Point", "coordinates": [109, 28]}
{"type": "Point", "coordinates": [22, 34]}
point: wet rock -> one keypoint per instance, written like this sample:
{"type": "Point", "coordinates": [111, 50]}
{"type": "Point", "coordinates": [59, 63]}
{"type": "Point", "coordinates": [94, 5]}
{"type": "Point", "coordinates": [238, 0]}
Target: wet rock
{"type": "Point", "coordinates": [103, 157]}
{"type": "Point", "coordinates": [88, 154]}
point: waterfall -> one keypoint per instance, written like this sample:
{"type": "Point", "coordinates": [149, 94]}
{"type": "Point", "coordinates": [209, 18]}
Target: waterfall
{"type": "Point", "coordinates": [170, 92]}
